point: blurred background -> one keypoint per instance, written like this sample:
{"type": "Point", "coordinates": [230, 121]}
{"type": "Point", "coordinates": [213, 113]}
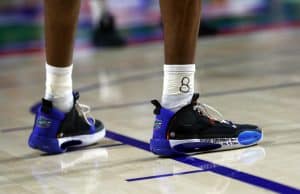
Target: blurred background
{"type": "Point", "coordinates": [114, 23]}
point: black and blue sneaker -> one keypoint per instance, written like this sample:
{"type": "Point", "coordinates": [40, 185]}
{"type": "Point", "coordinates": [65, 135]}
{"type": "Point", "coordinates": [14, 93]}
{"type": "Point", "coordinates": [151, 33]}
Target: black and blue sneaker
{"type": "Point", "coordinates": [55, 131]}
{"type": "Point", "coordinates": [193, 130]}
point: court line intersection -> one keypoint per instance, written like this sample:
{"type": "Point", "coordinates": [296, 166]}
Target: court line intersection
{"type": "Point", "coordinates": [189, 160]}
{"type": "Point", "coordinates": [203, 165]}
{"type": "Point", "coordinates": [211, 167]}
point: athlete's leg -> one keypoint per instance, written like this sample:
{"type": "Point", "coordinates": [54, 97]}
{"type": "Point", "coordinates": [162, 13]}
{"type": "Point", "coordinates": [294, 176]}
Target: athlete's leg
{"type": "Point", "coordinates": [60, 27]}
{"type": "Point", "coordinates": [181, 21]}
{"type": "Point", "coordinates": [61, 122]}
{"type": "Point", "coordinates": [182, 124]}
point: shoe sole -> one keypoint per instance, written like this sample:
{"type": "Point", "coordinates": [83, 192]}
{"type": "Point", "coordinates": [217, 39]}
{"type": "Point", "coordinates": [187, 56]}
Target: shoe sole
{"type": "Point", "coordinates": [164, 147]}
{"type": "Point", "coordinates": [60, 145]}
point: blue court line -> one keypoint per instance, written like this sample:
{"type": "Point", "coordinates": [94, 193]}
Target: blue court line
{"type": "Point", "coordinates": [163, 175]}
{"type": "Point", "coordinates": [211, 167]}
{"type": "Point", "coordinates": [199, 163]}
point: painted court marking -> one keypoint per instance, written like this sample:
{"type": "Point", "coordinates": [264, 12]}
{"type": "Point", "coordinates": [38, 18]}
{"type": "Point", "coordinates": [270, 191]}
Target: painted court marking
{"type": "Point", "coordinates": [189, 160]}
{"type": "Point", "coordinates": [203, 165]}
{"type": "Point", "coordinates": [163, 175]}
{"type": "Point", "coordinates": [211, 167]}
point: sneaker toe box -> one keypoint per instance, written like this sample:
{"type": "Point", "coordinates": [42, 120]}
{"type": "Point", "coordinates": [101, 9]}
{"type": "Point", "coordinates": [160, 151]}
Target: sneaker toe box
{"type": "Point", "coordinates": [249, 134]}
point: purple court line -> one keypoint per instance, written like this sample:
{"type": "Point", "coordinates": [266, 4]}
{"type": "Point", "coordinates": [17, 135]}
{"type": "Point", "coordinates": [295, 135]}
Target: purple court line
{"type": "Point", "coordinates": [199, 163]}
{"type": "Point", "coordinates": [211, 167]}
{"type": "Point", "coordinates": [164, 175]}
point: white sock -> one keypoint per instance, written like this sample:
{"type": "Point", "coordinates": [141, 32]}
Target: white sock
{"type": "Point", "coordinates": [178, 88]}
{"type": "Point", "coordinates": [59, 87]}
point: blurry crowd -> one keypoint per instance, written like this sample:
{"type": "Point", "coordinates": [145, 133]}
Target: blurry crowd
{"type": "Point", "coordinates": [106, 23]}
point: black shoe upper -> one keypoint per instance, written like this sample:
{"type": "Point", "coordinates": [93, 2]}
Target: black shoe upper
{"type": "Point", "coordinates": [74, 123]}
{"type": "Point", "coordinates": [191, 123]}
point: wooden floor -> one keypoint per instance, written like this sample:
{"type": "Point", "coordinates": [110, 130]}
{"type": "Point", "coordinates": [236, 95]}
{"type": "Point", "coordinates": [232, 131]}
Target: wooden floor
{"type": "Point", "coordinates": [250, 78]}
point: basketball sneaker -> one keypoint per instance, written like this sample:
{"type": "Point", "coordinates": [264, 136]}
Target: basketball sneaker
{"type": "Point", "coordinates": [192, 130]}
{"type": "Point", "coordinates": [55, 131]}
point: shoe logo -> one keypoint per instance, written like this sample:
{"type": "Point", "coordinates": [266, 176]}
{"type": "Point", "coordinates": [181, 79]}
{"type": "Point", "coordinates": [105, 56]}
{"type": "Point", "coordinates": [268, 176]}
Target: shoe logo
{"type": "Point", "coordinates": [157, 124]}
{"type": "Point", "coordinates": [43, 122]}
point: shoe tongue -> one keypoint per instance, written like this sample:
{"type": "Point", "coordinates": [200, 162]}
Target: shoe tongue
{"type": "Point", "coordinates": [195, 98]}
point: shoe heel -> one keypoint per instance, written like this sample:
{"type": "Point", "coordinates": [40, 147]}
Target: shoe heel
{"type": "Point", "coordinates": [162, 147]}
{"type": "Point", "coordinates": [48, 145]}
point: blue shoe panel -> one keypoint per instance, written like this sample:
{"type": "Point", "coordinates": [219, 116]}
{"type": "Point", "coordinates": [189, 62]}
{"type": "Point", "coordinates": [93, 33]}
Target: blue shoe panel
{"type": "Point", "coordinates": [161, 123]}
{"type": "Point", "coordinates": [44, 133]}
{"type": "Point", "coordinates": [159, 143]}
{"type": "Point", "coordinates": [48, 145]}
{"type": "Point", "coordinates": [47, 125]}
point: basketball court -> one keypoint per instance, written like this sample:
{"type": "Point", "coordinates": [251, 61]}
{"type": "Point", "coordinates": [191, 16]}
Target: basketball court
{"type": "Point", "coordinates": [260, 80]}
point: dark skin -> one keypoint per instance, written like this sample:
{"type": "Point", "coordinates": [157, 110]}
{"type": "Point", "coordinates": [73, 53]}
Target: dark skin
{"type": "Point", "coordinates": [181, 19]}
{"type": "Point", "coordinates": [60, 27]}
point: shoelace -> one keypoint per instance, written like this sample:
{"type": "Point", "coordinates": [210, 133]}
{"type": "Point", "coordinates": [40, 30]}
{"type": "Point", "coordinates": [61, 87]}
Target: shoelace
{"type": "Point", "coordinates": [203, 109]}
{"type": "Point", "coordinates": [84, 111]}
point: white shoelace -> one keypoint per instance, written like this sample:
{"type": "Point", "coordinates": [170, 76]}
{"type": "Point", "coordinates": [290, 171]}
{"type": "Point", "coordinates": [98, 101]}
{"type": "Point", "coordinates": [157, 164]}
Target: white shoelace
{"type": "Point", "coordinates": [84, 111]}
{"type": "Point", "coordinates": [204, 109]}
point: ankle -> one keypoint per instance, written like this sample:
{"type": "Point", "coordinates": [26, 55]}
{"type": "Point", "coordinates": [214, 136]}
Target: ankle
{"type": "Point", "coordinates": [178, 87]}
{"type": "Point", "coordinates": [59, 87]}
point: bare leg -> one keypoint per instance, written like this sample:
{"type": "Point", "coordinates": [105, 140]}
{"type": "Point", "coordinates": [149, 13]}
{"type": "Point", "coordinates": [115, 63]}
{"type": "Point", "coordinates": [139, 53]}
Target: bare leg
{"type": "Point", "coordinates": [181, 21]}
{"type": "Point", "coordinates": [60, 26]}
